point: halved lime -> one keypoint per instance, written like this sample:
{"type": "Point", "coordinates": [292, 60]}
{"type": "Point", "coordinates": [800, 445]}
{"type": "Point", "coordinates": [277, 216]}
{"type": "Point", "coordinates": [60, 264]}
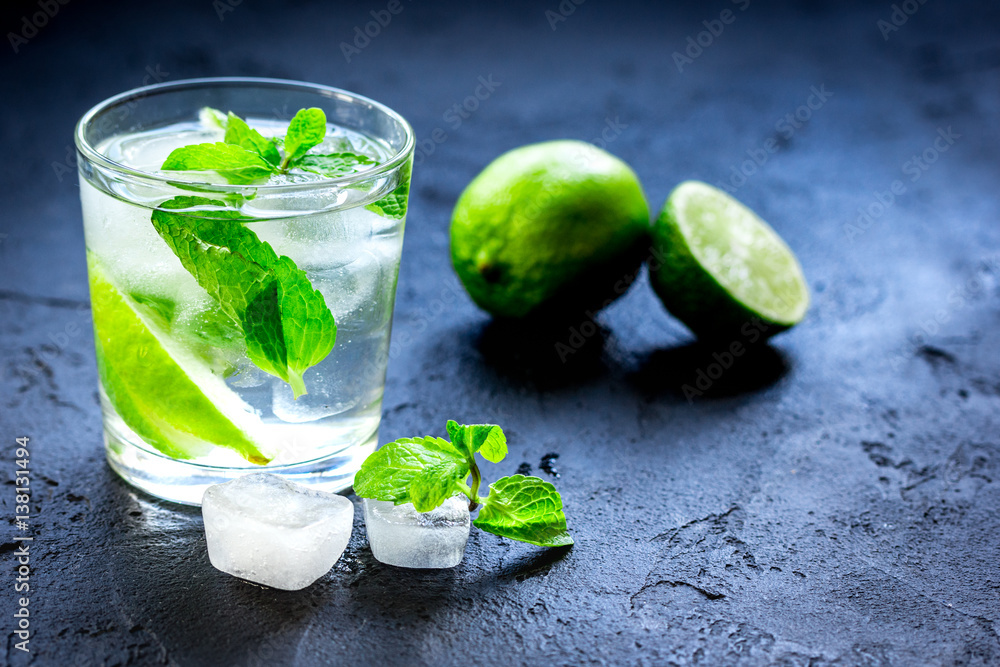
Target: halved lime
{"type": "Point", "coordinates": [167, 395]}
{"type": "Point", "coordinates": [720, 269]}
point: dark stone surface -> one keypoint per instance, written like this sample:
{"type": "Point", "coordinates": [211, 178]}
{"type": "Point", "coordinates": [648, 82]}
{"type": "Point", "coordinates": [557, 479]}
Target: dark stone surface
{"type": "Point", "coordinates": [832, 500]}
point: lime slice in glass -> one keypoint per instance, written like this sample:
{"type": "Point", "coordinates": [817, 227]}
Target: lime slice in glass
{"type": "Point", "coordinates": [720, 269]}
{"type": "Point", "coordinates": [167, 395]}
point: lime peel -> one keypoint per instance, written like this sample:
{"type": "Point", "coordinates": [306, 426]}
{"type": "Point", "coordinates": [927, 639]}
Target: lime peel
{"type": "Point", "coordinates": [548, 227]}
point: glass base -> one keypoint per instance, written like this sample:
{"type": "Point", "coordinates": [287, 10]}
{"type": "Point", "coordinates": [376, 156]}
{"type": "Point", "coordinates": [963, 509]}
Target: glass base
{"type": "Point", "coordinates": [185, 482]}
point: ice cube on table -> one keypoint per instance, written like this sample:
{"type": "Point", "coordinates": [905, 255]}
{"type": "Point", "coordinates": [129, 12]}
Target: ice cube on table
{"type": "Point", "coordinates": [265, 529]}
{"type": "Point", "coordinates": [400, 535]}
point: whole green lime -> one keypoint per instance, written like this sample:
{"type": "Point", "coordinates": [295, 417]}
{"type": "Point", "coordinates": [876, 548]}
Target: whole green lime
{"type": "Point", "coordinates": [548, 228]}
{"type": "Point", "coordinates": [722, 270]}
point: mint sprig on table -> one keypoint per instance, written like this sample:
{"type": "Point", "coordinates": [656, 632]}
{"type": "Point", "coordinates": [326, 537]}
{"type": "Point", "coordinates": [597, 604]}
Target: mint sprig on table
{"type": "Point", "coordinates": [426, 471]}
{"type": "Point", "coordinates": [245, 156]}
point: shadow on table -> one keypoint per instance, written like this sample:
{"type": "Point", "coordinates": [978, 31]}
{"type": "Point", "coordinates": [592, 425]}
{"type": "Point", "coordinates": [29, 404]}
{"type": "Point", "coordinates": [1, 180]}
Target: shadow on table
{"type": "Point", "coordinates": [699, 370]}
{"type": "Point", "coordinates": [160, 559]}
{"type": "Point", "coordinates": [385, 594]}
{"type": "Point", "coordinates": [548, 354]}
{"type": "Point", "coordinates": [552, 355]}
{"type": "Point", "coordinates": [529, 565]}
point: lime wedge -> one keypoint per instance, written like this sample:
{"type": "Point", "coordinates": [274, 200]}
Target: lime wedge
{"type": "Point", "coordinates": [209, 334]}
{"type": "Point", "coordinates": [169, 397]}
{"type": "Point", "coordinates": [720, 269]}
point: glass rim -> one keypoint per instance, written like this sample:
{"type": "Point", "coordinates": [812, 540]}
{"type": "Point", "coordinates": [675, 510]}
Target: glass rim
{"type": "Point", "coordinates": [91, 154]}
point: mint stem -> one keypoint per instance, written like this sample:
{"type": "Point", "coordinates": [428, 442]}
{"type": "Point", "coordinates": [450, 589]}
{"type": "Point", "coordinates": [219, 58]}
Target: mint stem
{"type": "Point", "coordinates": [297, 383]}
{"type": "Point", "coordinates": [477, 478]}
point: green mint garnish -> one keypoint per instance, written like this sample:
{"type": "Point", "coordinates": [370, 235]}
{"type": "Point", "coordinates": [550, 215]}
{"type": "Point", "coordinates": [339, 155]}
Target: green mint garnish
{"type": "Point", "coordinates": [427, 471]}
{"type": "Point", "coordinates": [487, 439]}
{"type": "Point", "coordinates": [527, 509]}
{"type": "Point", "coordinates": [307, 129]}
{"type": "Point", "coordinates": [236, 164]}
{"type": "Point", "coordinates": [391, 472]}
{"type": "Point", "coordinates": [240, 134]}
{"type": "Point", "coordinates": [246, 156]}
{"type": "Point", "coordinates": [286, 324]}
{"type": "Point", "coordinates": [333, 164]}
{"type": "Point", "coordinates": [393, 205]}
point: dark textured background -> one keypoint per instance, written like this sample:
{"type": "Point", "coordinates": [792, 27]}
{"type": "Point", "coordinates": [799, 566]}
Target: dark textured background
{"type": "Point", "coordinates": [832, 500]}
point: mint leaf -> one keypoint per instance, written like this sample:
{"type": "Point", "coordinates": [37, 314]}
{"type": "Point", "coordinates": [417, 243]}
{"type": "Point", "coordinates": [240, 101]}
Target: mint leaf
{"type": "Point", "coordinates": [494, 448]}
{"type": "Point", "coordinates": [238, 133]}
{"type": "Point", "coordinates": [231, 264]}
{"type": "Point", "coordinates": [527, 509]}
{"type": "Point", "coordinates": [487, 439]}
{"type": "Point", "coordinates": [245, 155]}
{"type": "Point", "coordinates": [427, 471]}
{"type": "Point", "coordinates": [237, 165]}
{"type": "Point", "coordinates": [307, 129]}
{"type": "Point", "coordinates": [261, 322]}
{"type": "Point", "coordinates": [285, 322]}
{"type": "Point", "coordinates": [307, 324]}
{"type": "Point", "coordinates": [332, 165]}
{"type": "Point", "coordinates": [226, 259]}
{"type": "Point", "coordinates": [390, 472]}
{"type": "Point", "coordinates": [393, 205]}
{"type": "Point", "coordinates": [210, 117]}
{"type": "Point", "coordinates": [436, 483]}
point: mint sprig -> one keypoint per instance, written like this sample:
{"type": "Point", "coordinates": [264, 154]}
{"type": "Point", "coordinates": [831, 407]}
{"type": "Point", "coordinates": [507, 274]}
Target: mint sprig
{"type": "Point", "coordinates": [235, 163]}
{"type": "Point", "coordinates": [333, 165]}
{"type": "Point", "coordinates": [286, 324]}
{"type": "Point", "coordinates": [307, 129]}
{"type": "Point", "coordinates": [427, 471]}
{"type": "Point", "coordinates": [393, 205]}
{"type": "Point", "coordinates": [240, 134]}
{"type": "Point", "coordinates": [245, 156]}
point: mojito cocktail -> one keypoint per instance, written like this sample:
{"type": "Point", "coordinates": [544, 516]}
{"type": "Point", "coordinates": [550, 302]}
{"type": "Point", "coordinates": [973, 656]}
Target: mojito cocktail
{"type": "Point", "coordinates": [243, 244]}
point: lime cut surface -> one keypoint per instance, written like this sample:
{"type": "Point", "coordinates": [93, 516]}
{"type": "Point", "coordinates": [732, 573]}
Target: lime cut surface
{"type": "Point", "coordinates": [167, 396]}
{"type": "Point", "coordinates": [719, 266]}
